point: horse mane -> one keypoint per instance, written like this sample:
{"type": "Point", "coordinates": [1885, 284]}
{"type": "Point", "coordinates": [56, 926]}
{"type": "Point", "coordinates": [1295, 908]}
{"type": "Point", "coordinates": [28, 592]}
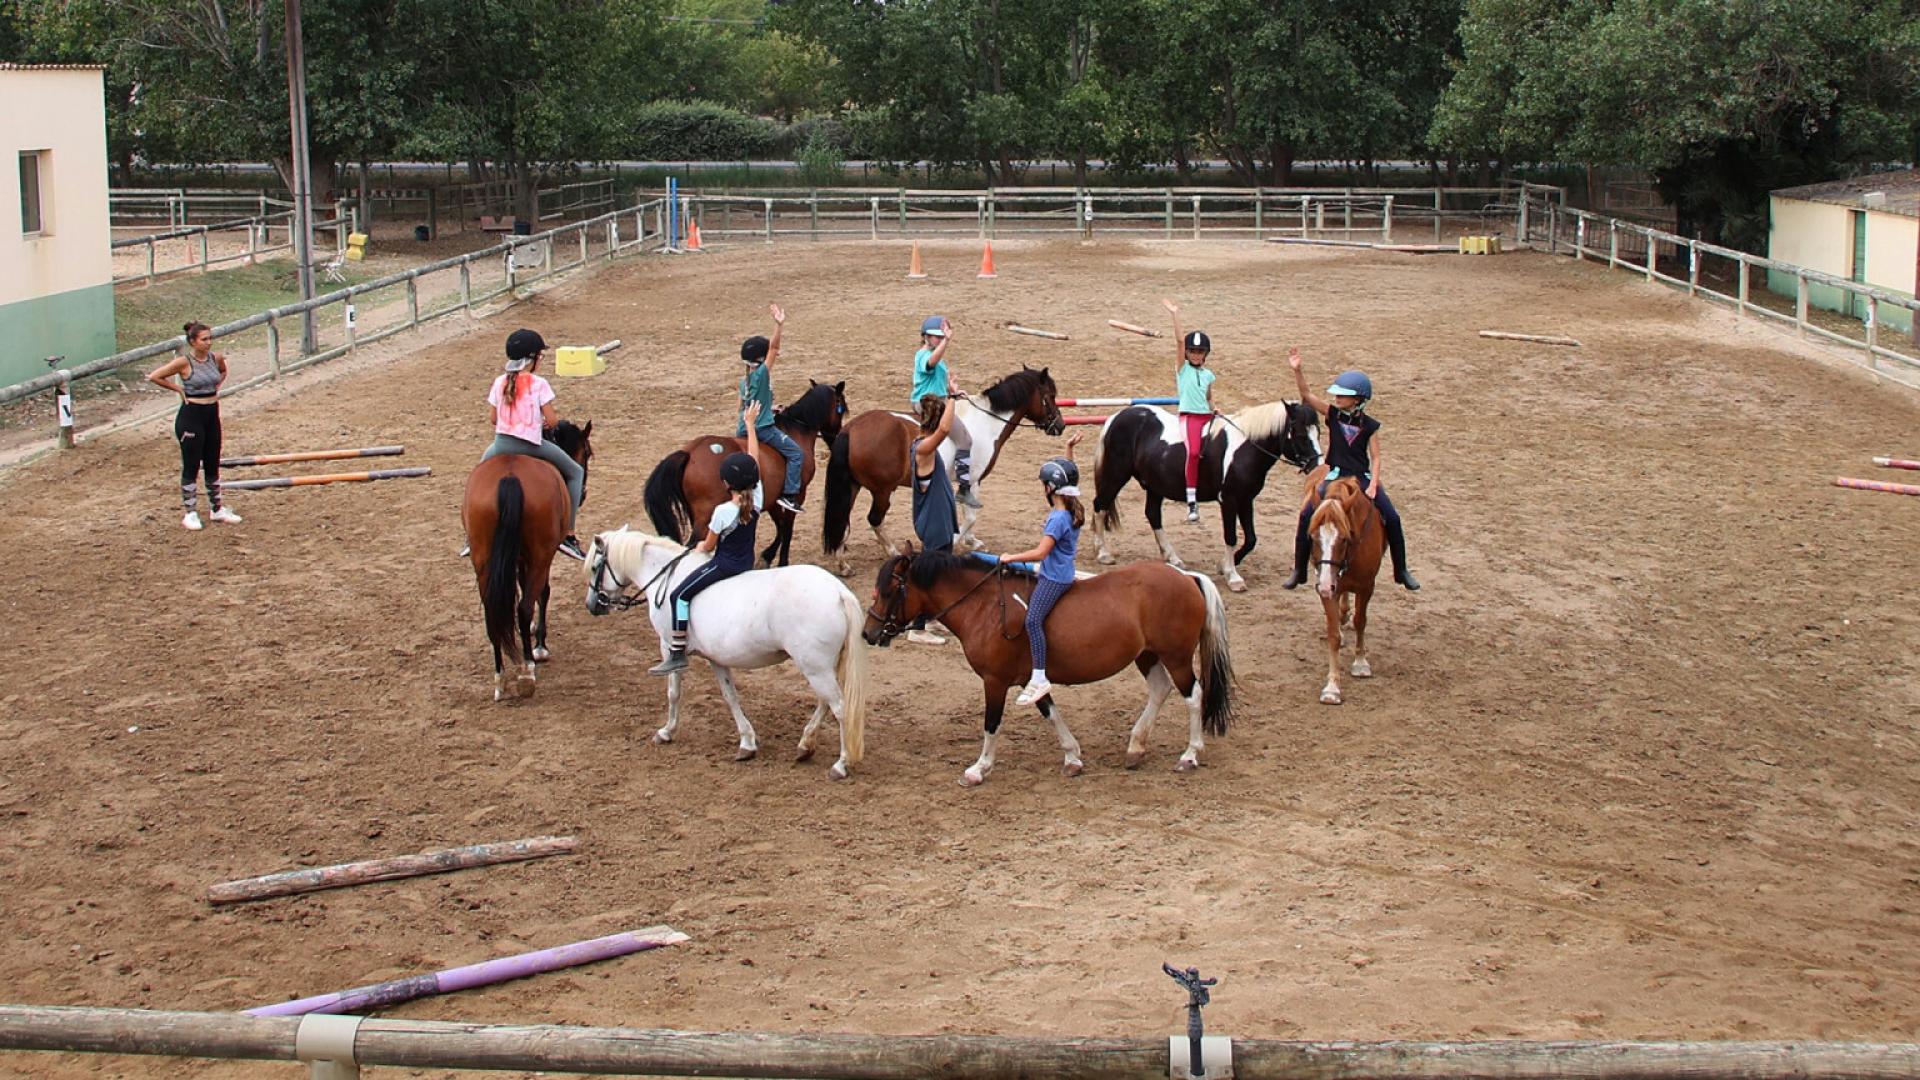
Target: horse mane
{"type": "Point", "coordinates": [928, 567]}
{"type": "Point", "coordinates": [813, 411]}
{"type": "Point", "coordinates": [1261, 422]}
{"type": "Point", "coordinates": [1013, 391]}
{"type": "Point", "coordinates": [566, 435]}
{"type": "Point", "coordinates": [1333, 505]}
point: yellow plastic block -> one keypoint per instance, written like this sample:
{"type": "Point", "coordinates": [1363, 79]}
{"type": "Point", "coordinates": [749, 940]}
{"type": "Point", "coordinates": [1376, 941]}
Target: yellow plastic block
{"type": "Point", "coordinates": [578, 361]}
{"type": "Point", "coordinates": [356, 239]}
{"type": "Point", "coordinates": [355, 254]}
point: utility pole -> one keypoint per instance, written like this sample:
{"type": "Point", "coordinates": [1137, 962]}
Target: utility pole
{"type": "Point", "coordinates": [302, 171]}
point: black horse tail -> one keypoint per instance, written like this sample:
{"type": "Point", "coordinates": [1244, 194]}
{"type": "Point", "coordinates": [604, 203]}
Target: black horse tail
{"type": "Point", "coordinates": [666, 497]}
{"type": "Point", "coordinates": [840, 491]}
{"type": "Point", "coordinates": [1216, 662]}
{"type": "Point", "coordinates": [503, 569]}
{"type": "Point", "coordinates": [1106, 502]}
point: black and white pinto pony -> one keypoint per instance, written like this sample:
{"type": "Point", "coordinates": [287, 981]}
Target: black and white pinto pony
{"type": "Point", "coordinates": [1147, 444]}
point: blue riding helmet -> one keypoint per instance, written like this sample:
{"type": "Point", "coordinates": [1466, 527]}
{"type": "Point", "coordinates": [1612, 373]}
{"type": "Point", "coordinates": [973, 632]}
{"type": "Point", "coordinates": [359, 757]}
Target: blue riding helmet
{"type": "Point", "coordinates": [1355, 383]}
{"type": "Point", "coordinates": [934, 326]}
{"type": "Point", "coordinates": [1059, 474]}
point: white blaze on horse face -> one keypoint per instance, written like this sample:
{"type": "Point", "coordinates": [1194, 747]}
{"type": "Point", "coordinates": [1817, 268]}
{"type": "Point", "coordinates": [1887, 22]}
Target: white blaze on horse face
{"type": "Point", "coordinates": [1328, 537]}
{"type": "Point", "coordinates": [1313, 436]}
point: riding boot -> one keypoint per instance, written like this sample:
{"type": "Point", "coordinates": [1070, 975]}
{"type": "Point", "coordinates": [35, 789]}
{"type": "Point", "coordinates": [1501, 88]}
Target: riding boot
{"type": "Point", "coordinates": [1302, 551]}
{"type": "Point", "coordinates": [1397, 547]}
{"type": "Point", "coordinates": [676, 660]}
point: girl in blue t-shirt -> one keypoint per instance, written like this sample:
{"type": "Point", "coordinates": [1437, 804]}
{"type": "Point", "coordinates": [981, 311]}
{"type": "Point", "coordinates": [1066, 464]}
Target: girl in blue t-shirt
{"type": "Point", "coordinates": [1060, 478]}
{"type": "Point", "coordinates": [1195, 381]}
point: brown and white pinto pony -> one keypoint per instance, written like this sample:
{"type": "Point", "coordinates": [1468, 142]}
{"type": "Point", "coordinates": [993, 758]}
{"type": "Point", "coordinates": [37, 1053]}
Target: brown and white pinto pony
{"type": "Point", "coordinates": [873, 452]}
{"type": "Point", "coordinates": [1348, 539]}
{"type": "Point", "coordinates": [1170, 624]}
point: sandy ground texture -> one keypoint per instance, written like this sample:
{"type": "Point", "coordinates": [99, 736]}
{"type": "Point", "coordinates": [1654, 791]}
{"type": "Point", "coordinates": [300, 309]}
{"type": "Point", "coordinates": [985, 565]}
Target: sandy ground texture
{"type": "Point", "coordinates": [1636, 763]}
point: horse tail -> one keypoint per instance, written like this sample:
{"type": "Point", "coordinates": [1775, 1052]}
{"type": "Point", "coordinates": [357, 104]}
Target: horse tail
{"type": "Point", "coordinates": [503, 569]}
{"type": "Point", "coordinates": [852, 675]}
{"type": "Point", "coordinates": [666, 497]}
{"type": "Point", "coordinates": [1216, 662]}
{"type": "Point", "coordinates": [840, 491]}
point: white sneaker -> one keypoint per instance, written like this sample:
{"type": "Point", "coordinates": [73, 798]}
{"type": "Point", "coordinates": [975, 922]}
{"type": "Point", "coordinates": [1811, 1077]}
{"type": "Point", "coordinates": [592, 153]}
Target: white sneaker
{"type": "Point", "coordinates": [225, 516]}
{"type": "Point", "coordinates": [925, 637]}
{"type": "Point", "coordinates": [1035, 690]}
{"type": "Point", "coordinates": [192, 522]}
{"type": "Point", "coordinates": [1193, 512]}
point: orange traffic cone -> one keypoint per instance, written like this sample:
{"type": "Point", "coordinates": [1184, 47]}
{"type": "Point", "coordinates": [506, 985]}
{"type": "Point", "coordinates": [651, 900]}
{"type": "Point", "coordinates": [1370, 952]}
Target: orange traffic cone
{"type": "Point", "coordinates": [693, 236]}
{"type": "Point", "coordinates": [913, 268]}
{"type": "Point", "coordinates": [986, 262]}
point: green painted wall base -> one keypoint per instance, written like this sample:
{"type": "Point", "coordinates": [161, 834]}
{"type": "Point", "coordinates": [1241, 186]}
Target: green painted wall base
{"type": "Point", "coordinates": [77, 325]}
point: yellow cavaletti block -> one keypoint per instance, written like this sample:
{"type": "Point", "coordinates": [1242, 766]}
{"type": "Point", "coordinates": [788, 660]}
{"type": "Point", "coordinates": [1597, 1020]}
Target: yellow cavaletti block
{"type": "Point", "coordinates": [1479, 245]}
{"type": "Point", "coordinates": [578, 361]}
{"type": "Point", "coordinates": [356, 246]}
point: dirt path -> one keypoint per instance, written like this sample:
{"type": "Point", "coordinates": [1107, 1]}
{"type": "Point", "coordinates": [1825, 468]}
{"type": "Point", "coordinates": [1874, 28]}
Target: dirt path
{"type": "Point", "coordinates": [1635, 764]}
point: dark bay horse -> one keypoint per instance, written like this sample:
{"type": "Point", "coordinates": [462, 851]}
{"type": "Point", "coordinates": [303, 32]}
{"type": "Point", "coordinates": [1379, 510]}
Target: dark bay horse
{"type": "Point", "coordinates": [873, 451]}
{"type": "Point", "coordinates": [685, 487]}
{"type": "Point", "coordinates": [515, 512]}
{"type": "Point", "coordinates": [1170, 624]}
{"type": "Point", "coordinates": [1147, 444]}
{"type": "Point", "coordinates": [1348, 538]}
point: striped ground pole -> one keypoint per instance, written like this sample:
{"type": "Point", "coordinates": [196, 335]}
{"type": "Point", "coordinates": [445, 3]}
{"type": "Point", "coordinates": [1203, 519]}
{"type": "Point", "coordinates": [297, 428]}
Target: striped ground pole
{"type": "Point", "coordinates": [1896, 463]}
{"type": "Point", "coordinates": [1876, 485]}
{"type": "Point", "coordinates": [1091, 402]}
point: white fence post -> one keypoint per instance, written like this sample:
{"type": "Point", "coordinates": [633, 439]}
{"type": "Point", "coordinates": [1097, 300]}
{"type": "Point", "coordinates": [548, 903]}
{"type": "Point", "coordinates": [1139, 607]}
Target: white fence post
{"type": "Point", "coordinates": [1745, 272]}
{"type": "Point", "coordinates": [1386, 222]}
{"type": "Point", "coordinates": [1693, 268]}
{"type": "Point", "coordinates": [769, 203]}
{"type": "Point", "coordinates": [1653, 256]}
{"type": "Point", "coordinates": [1580, 238]}
{"type": "Point", "coordinates": [1613, 244]}
{"type": "Point", "coordinates": [874, 216]}
{"type": "Point", "coordinates": [1873, 332]}
{"type": "Point", "coordinates": [1196, 217]}
{"type": "Point", "coordinates": [1800, 302]}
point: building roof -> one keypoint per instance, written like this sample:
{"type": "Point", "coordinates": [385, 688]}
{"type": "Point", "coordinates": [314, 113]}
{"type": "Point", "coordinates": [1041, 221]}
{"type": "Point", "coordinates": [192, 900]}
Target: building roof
{"type": "Point", "coordinates": [1901, 191]}
{"type": "Point", "coordinates": [6, 65]}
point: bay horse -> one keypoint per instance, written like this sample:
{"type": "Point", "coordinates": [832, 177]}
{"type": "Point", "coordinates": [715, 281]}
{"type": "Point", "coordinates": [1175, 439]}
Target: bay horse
{"type": "Point", "coordinates": [515, 512]}
{"type": "Point", "coordinates": [874, 453]}
{"type": "Point", "coordinates": [1145, 614]}
{"type": "Point", "coordinates": [754, 620]}
{"type": "Point", "coordinates": [1348, 538]}
{"type": "Point", "coordinates": [1146, 444]}
{"type": "Point", "coordinates": [685, 487]}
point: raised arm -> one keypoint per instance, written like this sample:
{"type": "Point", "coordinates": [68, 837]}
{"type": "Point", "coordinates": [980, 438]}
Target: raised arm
{"type": "Point", "coordinates": [1179, 335]}
{"type": "Point", "coordinates": [159, 376]}
{"type": "Point", "coordinates": [939, 352]}
{"type": "Point", "coordinates": [1314, 401]}
{"type": "Point", "coordinates": [1073, 440]}
{"type": "Point", "coordinates": [752, 418]}
{"type": "Point", "coordinates": [773, 343]}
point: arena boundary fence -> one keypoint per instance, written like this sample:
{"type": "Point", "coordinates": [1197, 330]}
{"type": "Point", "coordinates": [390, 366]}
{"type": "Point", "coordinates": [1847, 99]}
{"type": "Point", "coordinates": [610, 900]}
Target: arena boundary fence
{"type": "Point", "coordinates": [340, 1047]}
{"type": "Point", "coordinates": [1725, 276]}
{"type": "Point", "coordinates": [1169, 213]}
{"type": "Point", "coordinates": [259, 233]}
{"type": "Point", "coordinates": [526, 260]}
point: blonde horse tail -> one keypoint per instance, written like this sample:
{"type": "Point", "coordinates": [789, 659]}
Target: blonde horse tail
{"type": "Point", "coordinates": [1216, 661]}
{"type": "Point", "coordinates": [852, 674]}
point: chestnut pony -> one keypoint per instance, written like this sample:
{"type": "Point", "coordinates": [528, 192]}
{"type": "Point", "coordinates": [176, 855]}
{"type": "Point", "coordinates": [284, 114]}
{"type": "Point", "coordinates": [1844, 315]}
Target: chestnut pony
{"type": "Point", "coordinates": [1348, 538]}
{"type": "Point", "coordinates": [1170, 624]}
{"type": "Point", "coordinates": [873, 452]}
{"type": "Point", "coordinates": [685, 487]}
{"type": "Point", "coordinates": [515, 511]}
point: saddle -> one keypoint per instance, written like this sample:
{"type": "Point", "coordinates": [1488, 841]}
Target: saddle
{"type": "Point", "coordinates": [1027, 570]}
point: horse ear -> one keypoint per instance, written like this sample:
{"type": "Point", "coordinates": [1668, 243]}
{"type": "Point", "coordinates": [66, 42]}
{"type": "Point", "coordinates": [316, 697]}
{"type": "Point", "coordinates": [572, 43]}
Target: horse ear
{"type": "Point", "coordinates": [840, 387]}
{"type": "Point", "coordinates": [588, 430]}
{"type": "Point", "coordinates": [811, 384]}
{"type": "Point", "coordinates": [1043, 373]}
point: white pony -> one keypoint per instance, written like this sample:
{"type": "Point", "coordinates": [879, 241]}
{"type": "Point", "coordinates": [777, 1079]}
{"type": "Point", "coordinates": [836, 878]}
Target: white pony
{"type": "Point", "coordinates": [755, 620]}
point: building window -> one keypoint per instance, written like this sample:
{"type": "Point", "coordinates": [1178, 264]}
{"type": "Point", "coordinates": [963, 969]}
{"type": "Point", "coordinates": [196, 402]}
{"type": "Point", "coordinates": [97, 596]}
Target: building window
{"type": "Point", "coordinates": [33, 208]}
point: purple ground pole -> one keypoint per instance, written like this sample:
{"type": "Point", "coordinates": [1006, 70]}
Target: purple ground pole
{"type": "Point", "coordinates": [379, 995]}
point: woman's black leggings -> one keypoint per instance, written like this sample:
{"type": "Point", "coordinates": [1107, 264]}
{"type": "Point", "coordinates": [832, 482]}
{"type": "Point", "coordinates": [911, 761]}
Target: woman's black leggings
{"type": "Point", "coordinates": [197, 430]}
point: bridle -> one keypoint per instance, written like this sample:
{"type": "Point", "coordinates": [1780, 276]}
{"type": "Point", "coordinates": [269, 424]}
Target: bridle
{"type": "Point", "coordinates": [620, 599]}
{"type": "Point", "coordinates": [1286, 456]}
{"type": "Point", "coordinates": [890, 625]}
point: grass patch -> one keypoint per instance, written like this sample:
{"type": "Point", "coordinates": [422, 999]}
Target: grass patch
{"type": "Point", "coordinates": [155, 313]}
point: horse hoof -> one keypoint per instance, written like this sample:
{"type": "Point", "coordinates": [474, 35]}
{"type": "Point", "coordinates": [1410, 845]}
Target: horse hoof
{"type": "Point", "coordinates": [1237, 584]}
{"type": "Point", "coordinates": [1362, 670]}
{"type": "Point", "coordinates": [972, 778]}
{"type": "Point", "coordinates": [499, 693]}
{"type": "Point", "coordinates": [1186, 765]}
{"type": "Point", "coordinates": [542, 654]}
{"type": "Point", "coordinates": [1072, 769]}
{"type": "Point", "coordinates": [1329, 697]}
{"type": "Point", "coordinates": [744, 754]}
{"type": "Point", "coordinates": [846, 570]}
{"type": "Point", "coordinates": [661, 738]}
{"type": "Point", "coordinates": [805, 753]}
{"type": "Point", "coordinates": [1106, 559]}
{"type": "Point", "coordinates": [838, 772]}
{"type": "Point", "coordinates": [525, 687]}
{"type": "Point", "coordinates": [1135, 757]}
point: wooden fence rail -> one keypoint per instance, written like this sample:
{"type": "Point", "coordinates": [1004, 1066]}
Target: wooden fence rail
{"type": "Point", "coordinates": [583, 1050]}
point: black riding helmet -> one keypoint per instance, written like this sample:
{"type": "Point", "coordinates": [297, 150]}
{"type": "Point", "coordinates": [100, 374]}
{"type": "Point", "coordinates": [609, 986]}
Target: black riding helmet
{"type": "Point", "coordinates": [739, 472]}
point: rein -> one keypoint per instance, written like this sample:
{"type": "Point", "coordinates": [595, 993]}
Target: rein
{"type": "Point", "coordinates": [622, 600]}
{"type": "Point", "coordinates": [900, 596]}
{"type": "Point", "coordinates": [1255, 443]}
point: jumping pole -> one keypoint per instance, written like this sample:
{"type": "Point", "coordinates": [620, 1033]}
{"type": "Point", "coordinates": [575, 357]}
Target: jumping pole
{"type": "Point", "coordinates": [311, 455]}
{"type": "Point", "coordinates": [1093, 402]}
{"type": "Point", "coordinates": [325, 478]}
{"type": "Point", "coordinates": [1896, 463]}
{"type": "Point", "coordinates": [313, 878]}
{"type": "Point", "coordinates": [1876, 485]}
{"type": "Point", "coordinates": [1132, 329]}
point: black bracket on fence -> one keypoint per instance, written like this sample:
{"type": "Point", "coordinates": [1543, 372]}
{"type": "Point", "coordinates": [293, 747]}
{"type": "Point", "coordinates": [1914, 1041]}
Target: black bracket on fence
{"type": "Point", "coordinates": [1197, 997]}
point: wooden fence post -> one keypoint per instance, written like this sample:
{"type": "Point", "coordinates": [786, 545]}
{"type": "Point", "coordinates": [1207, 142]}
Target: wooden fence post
{"type": "Point", "coordinates": [1800, 302]}
{"type": "Point", "coordinates": [273, 346]}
